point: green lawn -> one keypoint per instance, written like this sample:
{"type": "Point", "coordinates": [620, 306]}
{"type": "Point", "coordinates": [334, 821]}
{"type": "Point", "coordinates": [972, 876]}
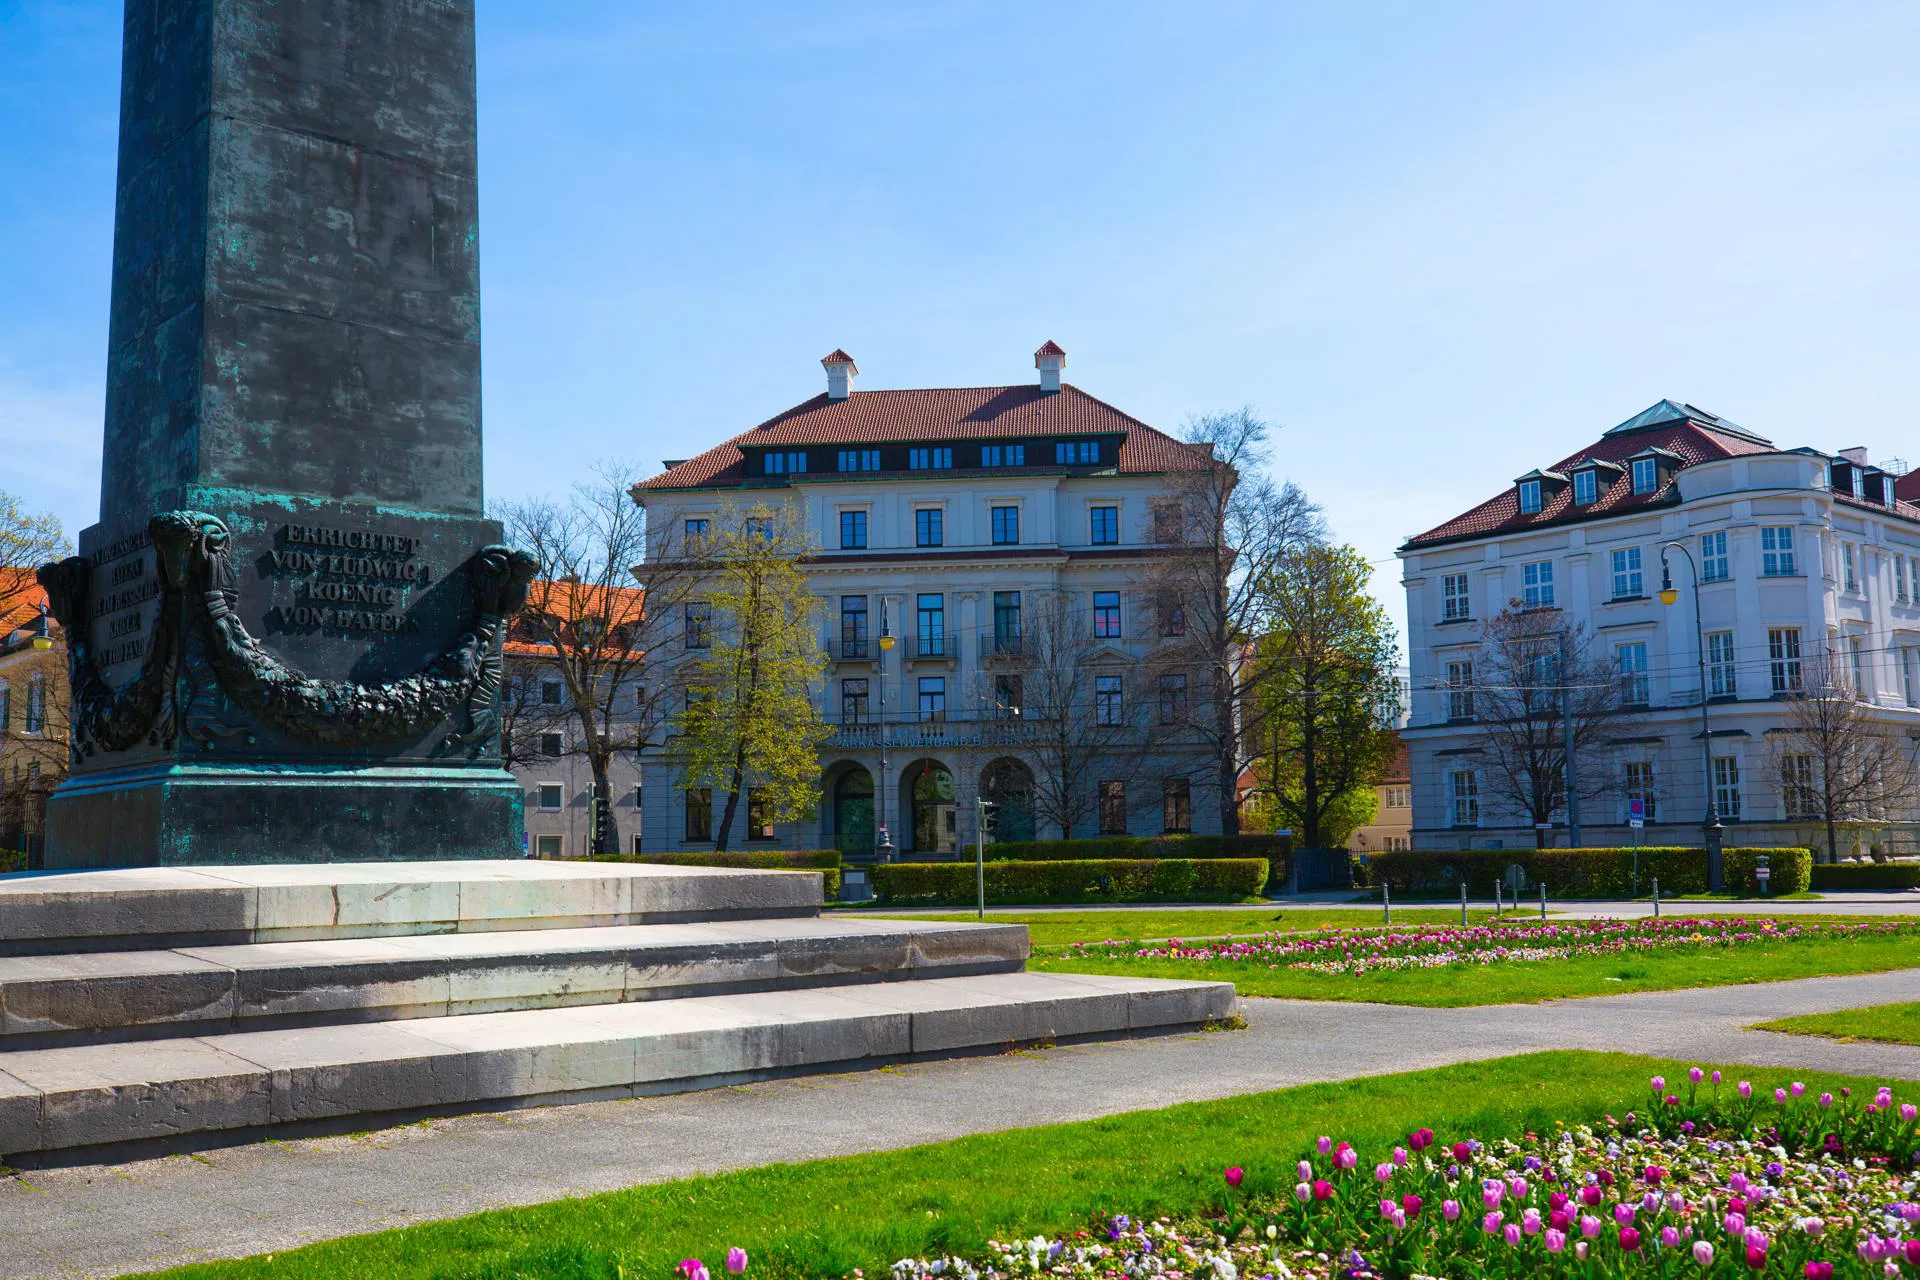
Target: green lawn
{"type": "Point", "coordinates": [826, 1217]}
{"type": "Point", "coordinates": [1891, 1023]}
{"type": "Point", "coordinates": [1524, 982]}
{"type": "Point", "coordinates": [1058, 928]}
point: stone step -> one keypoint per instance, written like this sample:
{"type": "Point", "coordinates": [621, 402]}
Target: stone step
{"type": "Point", "coordinates": [140, 909]}
{"type": "Point", "coordinates": [49, 1000]}
{"type": "Point", "coordinates": [95, 1101]}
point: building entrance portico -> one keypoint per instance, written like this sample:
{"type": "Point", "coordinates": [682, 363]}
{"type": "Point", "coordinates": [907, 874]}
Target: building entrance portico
{"type": "Point", "coordinates": [927, 797]}
{"type": "Point", "coordinates": [854, 831]}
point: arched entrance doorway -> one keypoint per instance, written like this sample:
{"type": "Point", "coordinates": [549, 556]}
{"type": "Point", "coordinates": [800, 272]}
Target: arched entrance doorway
{"type": "Point", "coordinates": [853, 829]}
{"type": "Point", "coordinates": [927, 797]}
{"type": "Point", "coordinates": [1008, 783]}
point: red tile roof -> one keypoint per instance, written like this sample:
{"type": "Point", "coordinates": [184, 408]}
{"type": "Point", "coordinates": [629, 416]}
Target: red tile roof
{"type": "Point", "coordinates": [1050, 348]}
{"type": "Point", "coordinates": [1689, 439]}
{"type": "Point", "coordinates": [574, 601]}
{"type": "Point", "coordinates": [942, 413]}
{"type": "Point", "coordinates": [22, 600]}
{"type": "Point", "coordinates": [836, 356]}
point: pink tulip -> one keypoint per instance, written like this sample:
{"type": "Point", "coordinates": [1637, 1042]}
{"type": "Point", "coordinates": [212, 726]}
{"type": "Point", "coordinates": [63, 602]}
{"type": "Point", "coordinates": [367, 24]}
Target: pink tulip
{"type": "Point", "coordinates": [1780, 1096]}
{"type": "Point", "coordinates": [1235, 1176]}
{"type": "Point", "coordinates": [1695, 1075]}
{"type": "Point", "coordinates": [1716, 1077]}
{"type": "Point", "coordinates": [1703, 1253]}
{"type": "Point", "coordinates": [1814, 1226]}
{"type": "Point", "coordinates": [1346, 1157]}
{"type": "Point", "coordinates": [1589, 1226]}
{"type": "Point", "coordinates": [1745, 1090]}
{"type": "Point", "coordinates": [1302, 1192]}
{"type": "Point", "coordinates": [1400, 1157]}
{"type": "Point", "coordinates": [1325, 1144]}
{"type": "Point", "coordinates": [1580, 1250]}
{"type": "Point", "coordinates": [1530, 1222]}
{"type": "Point", "coordinates": [1491, 1222]}
{"type": "Point", "coordinates": [1512, 1235]}
{"type": "Point", "coordinates": [736, 1260]}
{"type": "Point", "coordinates": [1798, 1088]}
{"type": "Point", "coordinates": [1450, 1210]}
{"type": "Point", "coordinates": [1659, 1084]}
{"type": "Point", "coordinates": [1826, 1099]}
{"type": "Point", "coordinates": [1908, 1112]}
{"type": "Point", "coordinates": [1556, 1240]}
{"type": "Point", "coordinates": [1623, 1214]}
{"type": "Point", "coordinates": [1736, 1224]}
{"type": "Point", "coordinates": [1383, 1172]}
{"type": "Point", "coordinates": [1669, 1237]}
{"type": "Point", "coordinates": [1306, 1171]}
{"type": "Point", "coordinates": [693, 1269]}
{"type": "Point", "coordinates": [1756, 1258]}
{"type": "Point", "coordinates": [1519, 1188]}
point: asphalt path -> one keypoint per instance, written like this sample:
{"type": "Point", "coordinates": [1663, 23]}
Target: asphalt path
{"type": "Point", "coordinates": [110, 1220]}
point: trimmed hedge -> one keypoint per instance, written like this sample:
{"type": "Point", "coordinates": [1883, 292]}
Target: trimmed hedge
{"type": "Point", "coordinates": [1587, 873]}
{"type": "Point", "coordinates": [1842, 876]}
{"type": "Point", "coordinates": [1277, 850]}
{"type": "Point", "coordinates": [826, 861]}
{"type": "Point", "coordinates": [1084, 880]}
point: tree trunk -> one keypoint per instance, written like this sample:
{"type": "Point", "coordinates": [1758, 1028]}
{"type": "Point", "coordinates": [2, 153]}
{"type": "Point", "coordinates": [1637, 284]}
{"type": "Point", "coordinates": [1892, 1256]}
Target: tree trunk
{"type": "Point", "coordinates": [605, 836]}
{"type": "Point", "coordinates": [1229, 762]}
{"type": "Point", "coordinates": [733, 799]}
{"type": "Point", "coordinates": [1309, 775]}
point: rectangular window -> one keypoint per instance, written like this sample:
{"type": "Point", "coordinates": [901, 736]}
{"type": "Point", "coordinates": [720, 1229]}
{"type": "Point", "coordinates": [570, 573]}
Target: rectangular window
{"type": "Point", "coordinates": [1900, 579]}
{"type": "Point", "coordinates": [550, 693]}
{"type": "Point", "coordinates": [1537, 584]}
{"type": "Point", "coordinates": [1721, 680]}
{"type": "Point", "coordinates": [853, 701]}
{"type": "Point", "coordinates": [933, 697]}
{"type": "Point", "coordinates": [549, 846]}
{"type": "Point", "coordinates": [1646, 475]}
{"type": "Point", "coordinates": [1176, 806]}
{"type": "Point", "coordinates": [930, 459]}
{"type": "Point", "coordinates": [1798, 794]}
{"type": "Point", "coordinates": [1003, 455]}
{"type": "Point", "coordinates": [1173, 698]}
{"type": "Point", "coordinates": [1006, 622]}
{"type": "Point", "coordinates": [1168, 522]}
{"type": "Point", "coordinates": [551, 744]}
{"type": "Point", "coordinates": [696, 533]}
{"type": "Point", "coordinates": [1628, 581]}
{"type": "Point", "coordinates": [759, 815]}
{"type": "Point", "coordinates": [1006, 526]}
{"type": "Point", "coordinates": [853, 531]}
{"type": "Point", "coordinates": [1455, 598]}
{"type": "Point", "coordinates": [1113, 808]}
{"type": "Point", "coordinates": [553, 796]}
{"type": "Point", "coordinates": [1108, 710]}
{"type": "Point", "coordinates": [1639, 786]}
{"type": "Point", "coordinates": [1460, 690]}
{"type": "Point", "coordinates": [1714, 566]}
{"type": "Point", "coordinates": [1631, 660]}
{"type": "Point", "coordinates": [1783, 656]}
{"type": "Point", "coordinates": [1726, 786]}
{"type": "Point", "coordinates": [929, 527]}
{"type": "Point", "coordinates": [699, 814]}
{"type": "Point", "coordinates": [1910, 674]}
{"type": "Point", "coordinates": [1529, 497]}
{"type": "Point", "coordinates": [1076, 452]}
{"type": "Point", "coordinates": [1106, 615]}
{"type": "Point", "coordinates": [1106, 525]}
{"type": "Point", "coordinates": [6, 709]}
{"type": "Point", "coordinates": [853, 627]}
{"type": "Point", "coordinates": [1399, 797]}
{"type": "Point", "coordinates": [787, 462]}
{"type": "Point", "coordinates": [697, 624]}
{"type": "Point", "coordinates": [1586, 486]}
{"type": "Point", "coordinates": [1776, 551]}
{"type": "Point", "coordinates": [930, 634]}
{"type": "Point", "coordinates": [1463, 799]}
{"type": "Point", "coordinates": [1857, 662]}
{"type": "Point", "coordinates": [859, 459]}
{"type": "Point", "coordinates": [1849, 567]}
{"type": "Point", "coordinates": [1006, 697]}
{"type": "Point", "coordinates": [36, 706]}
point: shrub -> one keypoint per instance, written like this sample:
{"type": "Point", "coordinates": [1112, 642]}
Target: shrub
{"type": "Point", "coordinates": [12, 860]}
{"type": "Point", "coordinates": [1277, 850]}
{"type": "Point", "coordinates": [1842, 876]}
{"type": "Point", "coordinates": [1080, 880]}
{"type": "Point", "coordinates": [825, 861]}
{"type": "Point", "coordinates": [1586, 873]}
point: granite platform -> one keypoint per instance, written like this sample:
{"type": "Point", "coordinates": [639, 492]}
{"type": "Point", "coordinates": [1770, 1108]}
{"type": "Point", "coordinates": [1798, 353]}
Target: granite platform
{"type": "Point", "coordinates": [173, 1008]}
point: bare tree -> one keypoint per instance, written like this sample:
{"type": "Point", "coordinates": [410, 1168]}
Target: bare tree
{"type": "Point", "coordinates": [1544, 698]}
{"type": "Point", "coordinates": [1222, 526]}
{"type": "Point", "coordinates": [1838, 762]}
{"type": "Point", "coordinates": [28, 539]}
{"type": "Point", "coordinates": [589, 624]}
{"type": "Point", "coordinates": [1082, 725]}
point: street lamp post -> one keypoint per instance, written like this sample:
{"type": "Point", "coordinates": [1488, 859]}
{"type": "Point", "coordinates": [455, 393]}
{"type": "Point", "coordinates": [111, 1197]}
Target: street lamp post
{"type": "Point", "coordinates": [883, 851]}
{"type": "Point", "coordinates": [1710, 825]}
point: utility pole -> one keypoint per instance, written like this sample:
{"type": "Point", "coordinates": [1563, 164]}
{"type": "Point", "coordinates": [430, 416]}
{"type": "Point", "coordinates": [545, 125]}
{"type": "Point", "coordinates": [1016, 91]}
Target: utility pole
{"type": "Point", "coordinates": [981, 809]}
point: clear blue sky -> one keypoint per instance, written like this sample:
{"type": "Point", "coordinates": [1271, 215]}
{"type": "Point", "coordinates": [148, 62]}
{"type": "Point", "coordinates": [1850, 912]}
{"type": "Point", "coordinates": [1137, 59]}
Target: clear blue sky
{"type": "Point", "coordinates": [1438, 245]}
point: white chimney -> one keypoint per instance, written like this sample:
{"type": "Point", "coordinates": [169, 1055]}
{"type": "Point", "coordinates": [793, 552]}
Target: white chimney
{"type": "Point", "coordinates": [1856, 455]}
{"type": "Point", "coordinates": [840, 373]}
{"type": "Point", "coordinates": [1049, 360]}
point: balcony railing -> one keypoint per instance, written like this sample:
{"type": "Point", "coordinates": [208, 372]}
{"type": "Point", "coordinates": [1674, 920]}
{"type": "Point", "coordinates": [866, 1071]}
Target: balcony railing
{"type": "Point", "coordinates": [939, 729]}
{"type": "Point", "coordinates": [935, 646]}
{"type": "Point", "coordinates": [1003, 648]}
{"type": "Point", "coordinates": [845, 648]}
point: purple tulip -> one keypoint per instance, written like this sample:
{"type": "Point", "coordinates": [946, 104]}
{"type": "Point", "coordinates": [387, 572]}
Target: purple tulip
{"type": "Point", "coordinates": [1589, 1226]}
{"type": "Point", "coordinates": [1512, 1235]}
{"type": "Point", "coordinates": [1695, 1075]}
{"type": "Point", "coordinates": [1491, 1223]}
{"type": "Point", "coordinates": [736, 1260]}
{"type": "Point", "coordinates": [1325, 1144]}
{"type": "Point", "coordinates": [1306, 1171]}
{"type": "Point", "coordinates": [1302, 1192]}
{"type": "Point", "coordinates": [1780, 1096]}
{"type": "Point", "coordinates": [1669, 1237]}
{"type": "Point", "coordinates": [1235, 1176]}
{"type": "Point", "coordinates": [1450, 1210]}
{"type": "Point", "coordinates": [693, 1269]}
{"type": "Point", "coordinates": [1555, 1239]}
{"type": "Point", "coordinates": [1703, 1253]}
{"type": "Point", "coordinates": [1797, 1088]}
{"type": "Point", "coordinates": [1745, 1090]}
{"type": "Point", "coordinates": [1659, 1084]}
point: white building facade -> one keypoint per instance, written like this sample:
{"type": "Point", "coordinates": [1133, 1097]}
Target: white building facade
{"type": "Point", "coordinates": [944, 519]}
{"type": "Point", "coordinates": [1803, 557]}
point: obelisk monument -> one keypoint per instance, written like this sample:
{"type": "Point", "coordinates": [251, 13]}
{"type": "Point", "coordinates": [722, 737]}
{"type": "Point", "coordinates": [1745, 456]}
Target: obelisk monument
{"type": "Point", "coordinates": [285, 629]}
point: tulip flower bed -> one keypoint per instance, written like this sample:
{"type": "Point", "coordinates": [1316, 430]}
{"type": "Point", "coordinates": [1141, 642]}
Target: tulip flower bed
{"type": "Point", "coordinates": [1711, 1180]}
{"type": "Point", "coordinates": [1518, 960]}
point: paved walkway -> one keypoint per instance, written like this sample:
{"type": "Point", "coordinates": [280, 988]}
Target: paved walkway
{"type": "Point", "coordinates": [103, 1221]}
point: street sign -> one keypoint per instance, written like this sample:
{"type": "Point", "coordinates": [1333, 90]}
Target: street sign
{"type": "Point", "coordinates": [1636, 823]}
{"type": "Point", "coordinates": [1637, 811]}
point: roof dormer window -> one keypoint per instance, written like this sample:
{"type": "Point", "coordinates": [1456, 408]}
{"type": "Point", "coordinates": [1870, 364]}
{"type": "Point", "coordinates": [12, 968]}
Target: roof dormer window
{"type": "Point", "coordinates": [784, 462]}
{"type": "Point", "coordinates": [1536, 489]}
{"type": "Point", "coordinates": [1529, 497]}
{"type": "Point", "coordinates": [1646, 475]}
{"type": "Point", "coordinates": [1586, 486]}
{"type": "Point", "coordinates": [1840, 477]}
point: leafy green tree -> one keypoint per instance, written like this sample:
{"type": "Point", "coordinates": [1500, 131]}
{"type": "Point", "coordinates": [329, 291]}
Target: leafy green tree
{"type": "Point", "coordinates": [1328, 694]}
{"type": "Point", "coordinates": [751, 720]}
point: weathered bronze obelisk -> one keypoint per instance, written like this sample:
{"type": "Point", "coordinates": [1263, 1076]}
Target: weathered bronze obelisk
{"type": "Point", "coordinates": [285, 627]}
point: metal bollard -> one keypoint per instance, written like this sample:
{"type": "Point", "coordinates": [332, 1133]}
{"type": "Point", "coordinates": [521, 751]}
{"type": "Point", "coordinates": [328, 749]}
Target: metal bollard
{"type": "Point", "coordinates": [1463, 902]}
{"type": "Point", "coordinates": [1386, 905]}
{"type": "Point", "coordinates": [1496, 897]}
{"type": "Point", "coordinates": [1543, 899]}
{"type": "Point", "coordinates": [1656, 897]}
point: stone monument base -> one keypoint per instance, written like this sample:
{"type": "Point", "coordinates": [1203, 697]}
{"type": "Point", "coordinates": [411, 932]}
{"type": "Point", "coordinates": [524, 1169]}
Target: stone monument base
{"type": "Point", "coordinates": [220, 815]}
{"type": "Point", "coordinates": [156, 1010]}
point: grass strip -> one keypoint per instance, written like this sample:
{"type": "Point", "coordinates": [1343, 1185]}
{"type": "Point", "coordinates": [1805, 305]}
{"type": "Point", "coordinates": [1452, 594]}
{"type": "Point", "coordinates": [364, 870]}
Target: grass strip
{"type": "Point", "coordinates": [1526, 982]}
{"type": "Point", "coordinates": [1884, 1023]}
{"type": "Point", "coordinates": [1059, 928]}
{"type": "Point", "coordinates": [827, 1217]}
